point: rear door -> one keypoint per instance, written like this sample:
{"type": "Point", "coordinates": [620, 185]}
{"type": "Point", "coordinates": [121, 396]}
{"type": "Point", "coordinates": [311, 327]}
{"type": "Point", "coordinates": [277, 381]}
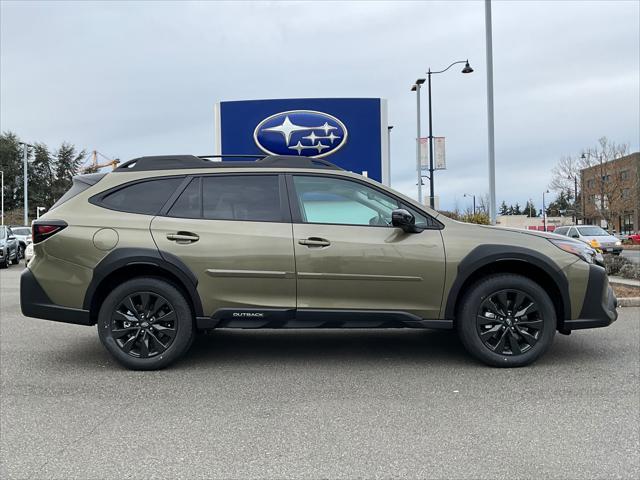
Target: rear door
{"type": "Point", "coordinates": [349, 257]}
{"type": "Point", "coordinates": [234, 233]}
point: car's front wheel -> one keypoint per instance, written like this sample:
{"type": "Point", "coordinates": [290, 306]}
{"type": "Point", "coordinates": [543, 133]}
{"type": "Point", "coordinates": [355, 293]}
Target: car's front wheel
{"type": "Point", "coordinates": [146, 324]}
{"type": "Point", "coordinates": [506, 320]}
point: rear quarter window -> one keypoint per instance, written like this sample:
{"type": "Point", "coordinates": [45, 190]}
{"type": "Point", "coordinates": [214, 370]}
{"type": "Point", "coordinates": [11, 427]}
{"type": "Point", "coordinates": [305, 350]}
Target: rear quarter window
{"type": "Point", "coordinates": [146, 197]}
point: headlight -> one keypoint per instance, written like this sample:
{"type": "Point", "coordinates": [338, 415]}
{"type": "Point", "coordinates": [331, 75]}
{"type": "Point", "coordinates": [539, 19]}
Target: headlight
{"type": "Point", "coordinates": [618, 243]}
{"type": "Point", "coordinates": [579, 249]}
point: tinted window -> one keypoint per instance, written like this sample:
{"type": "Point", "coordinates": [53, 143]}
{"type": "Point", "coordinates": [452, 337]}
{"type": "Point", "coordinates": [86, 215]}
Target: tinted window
{"type": "Point", "coordinates": [21, 231]}
{"type": "Point", "coordinates": [561, 230]}
{"type": "Point", "coordinates": [241, 197]}
{"type": "Point", "coordinates": [334, 200]}
{"type": "Point", "coordinates": [189, 204]}
{"type": "Point", "coordinates": [144, 197]}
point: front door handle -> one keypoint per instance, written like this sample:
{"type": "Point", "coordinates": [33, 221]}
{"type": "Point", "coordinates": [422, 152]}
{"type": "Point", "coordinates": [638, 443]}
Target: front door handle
{"type": "Point", "coordinates": [183, 237]}
{"type": "Point", "coordinates": [314, 242]}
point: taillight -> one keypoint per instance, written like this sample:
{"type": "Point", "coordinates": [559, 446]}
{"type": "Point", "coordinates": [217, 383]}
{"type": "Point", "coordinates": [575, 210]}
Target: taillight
{"type": "Point", "coordinates": [44, 230]}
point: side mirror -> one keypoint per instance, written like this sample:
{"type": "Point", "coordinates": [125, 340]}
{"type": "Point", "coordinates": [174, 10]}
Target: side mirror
{"type": "Point", "coordinates": [405, 220]}
{"type": "Point", "coordinates": [575, 235]}
{"type": "Point", "coordinates": [11, 237]}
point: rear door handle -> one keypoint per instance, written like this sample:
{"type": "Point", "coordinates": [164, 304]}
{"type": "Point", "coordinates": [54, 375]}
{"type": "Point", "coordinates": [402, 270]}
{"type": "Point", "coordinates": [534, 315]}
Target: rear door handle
{"type": "Point", "coordinates": [314, 242]}
{"type": "Point", "coordinates": [183, 237]}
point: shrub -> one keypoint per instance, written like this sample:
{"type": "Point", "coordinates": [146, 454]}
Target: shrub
{"type": "Point", "coordinates": [613, 263]}
{"type": "Point", "coordinates": [630, 271]}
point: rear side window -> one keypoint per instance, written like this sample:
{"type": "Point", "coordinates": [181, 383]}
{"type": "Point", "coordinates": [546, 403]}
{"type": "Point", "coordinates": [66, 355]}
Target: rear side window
{"type": "Point", "coordinates": [242, 197]}
{"type": "Point", "coordinates": [146, 197]}
{"type": "Point", "coordinates": [189, 204]}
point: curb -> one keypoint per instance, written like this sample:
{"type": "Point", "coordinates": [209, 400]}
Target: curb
{"type": "Point", "coordinates": [624, 281]}
{"type": "Point", "coordinates": [629, 302]}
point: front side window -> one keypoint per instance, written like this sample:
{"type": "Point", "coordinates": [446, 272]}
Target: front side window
{"type": "Point", "coordinates": [146, 197]}
{"type": "Point", "coordinates": [345, 202]}
{"type": "Point", "coordinates": [242, 197]}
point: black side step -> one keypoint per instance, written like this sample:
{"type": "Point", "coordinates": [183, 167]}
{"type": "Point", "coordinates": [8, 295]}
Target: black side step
{"type": "Point", "coordinates": [317, 318]}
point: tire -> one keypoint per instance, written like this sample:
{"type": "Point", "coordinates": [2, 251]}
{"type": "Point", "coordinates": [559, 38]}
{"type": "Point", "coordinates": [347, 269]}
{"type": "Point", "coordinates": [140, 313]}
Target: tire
{"type": "Point", "coordinates": [16, 259]}
{"type": "Point", "coordinates": [136, 340]}
{"type": "Point", "coordinates": [21, 249]}
{"type": "Point", "coordinates": [4, 263]}
{"type": "Point", "coordinates": [496, 335]}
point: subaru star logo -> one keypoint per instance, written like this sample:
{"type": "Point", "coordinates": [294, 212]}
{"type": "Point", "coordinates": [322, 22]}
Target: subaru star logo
{"type": "Point", "coordinates": [300, 132]}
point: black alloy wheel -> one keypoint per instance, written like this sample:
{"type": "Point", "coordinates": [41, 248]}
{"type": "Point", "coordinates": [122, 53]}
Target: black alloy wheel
{"type": "Point", "coordinates": [509, 322]}
{"type": "Point", "coordinates": [506, 320]}
{"type": "Point", "coordinates": [144, 324]}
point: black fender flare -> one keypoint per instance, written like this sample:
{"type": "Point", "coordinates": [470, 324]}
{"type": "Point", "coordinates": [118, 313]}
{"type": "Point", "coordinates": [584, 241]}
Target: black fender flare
{"type": "Point", "coordinates": [484, 255]}
{"type": "Point", "coordinates": [124, 257]}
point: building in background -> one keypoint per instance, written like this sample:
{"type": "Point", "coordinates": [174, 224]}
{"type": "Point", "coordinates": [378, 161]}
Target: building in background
{"type": "Point", "coordinates": [532, 223]}
{"type": "Point", "coordinates": [611, 194]}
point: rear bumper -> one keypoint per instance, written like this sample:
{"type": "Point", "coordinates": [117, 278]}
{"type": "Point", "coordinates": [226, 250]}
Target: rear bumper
{"type": "Point", "coordinates": [35, 303]}
{"type": "Point", "coordinates": [600, 303]}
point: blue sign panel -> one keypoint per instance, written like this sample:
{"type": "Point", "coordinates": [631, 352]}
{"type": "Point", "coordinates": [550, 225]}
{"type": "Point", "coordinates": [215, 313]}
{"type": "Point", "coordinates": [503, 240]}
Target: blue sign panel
{"type": "Point", "coordinates": [350, 132]}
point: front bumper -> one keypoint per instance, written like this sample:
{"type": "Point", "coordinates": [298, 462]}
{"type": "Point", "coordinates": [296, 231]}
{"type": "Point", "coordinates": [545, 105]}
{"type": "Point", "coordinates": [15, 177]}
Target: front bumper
{"type": "Point", "coordinates": [35, 302]}
{"type": "Point", "coordinates": [600, 303]}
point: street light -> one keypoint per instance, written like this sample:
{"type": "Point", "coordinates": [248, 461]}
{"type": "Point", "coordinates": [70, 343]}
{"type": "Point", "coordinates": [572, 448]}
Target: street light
{"type": "Point", "coordinates": [416, 88]}
{"type": "Point", "coordinates": [474, 201]}
{"type": "Point", "coordinates": [25, 160]}
{"type": "Point", "coordinates": [575, 196]}
{"type": "Point", "coordinates": [467, 69]}
{"type": "Point", "coordinates": [2, 195]}
{"type": "Point", "coordinates": [388, 173]}
{"type": "Point", "coordinates": [544, 212]}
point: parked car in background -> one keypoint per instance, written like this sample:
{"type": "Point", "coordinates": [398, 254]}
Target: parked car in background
{"type": "Point", "coordinates": [23, 236]}
{"type": "Point", "coordinates": [28, 253]}
{"type": "Point", "coordinates": [595, 236]}
{"type": "Point", "coordinates": [8, 247]}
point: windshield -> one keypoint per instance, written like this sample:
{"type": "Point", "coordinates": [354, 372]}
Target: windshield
{"type": "Point", "coordinates": [593, 232]}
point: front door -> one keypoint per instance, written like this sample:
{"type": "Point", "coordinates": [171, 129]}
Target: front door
{"type": "Point", "coordinates": [349, 257]}
{"type": "Point", "coordinates": [234, 233]}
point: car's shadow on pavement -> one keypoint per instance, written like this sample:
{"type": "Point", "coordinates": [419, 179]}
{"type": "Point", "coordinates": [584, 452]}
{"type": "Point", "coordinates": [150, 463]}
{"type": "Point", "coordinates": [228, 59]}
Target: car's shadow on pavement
{"type": "Point", "coordinates": [260, 347]}
{"type": "Point", "coordinates": [326, 345]}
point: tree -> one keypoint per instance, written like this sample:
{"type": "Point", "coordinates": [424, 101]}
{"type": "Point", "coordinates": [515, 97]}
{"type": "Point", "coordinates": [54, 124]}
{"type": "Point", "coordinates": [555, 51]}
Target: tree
{"type": "Point", "coordinates": [610, 201]}
{"type": "Point", "coordinates": [516, 209]}
{"type": "Point", "coordinates": [530, 209]}
{"type": "Point", "coordinates": [41, 178]}
{"type": "Point", "coordinates": [11, 164]}
{"type": "Point", "coordinates": [504, 210]}
{"type": "Point", "coordinates": [560, 205]}
{"type": "Point", "coordinates": [66, 166]}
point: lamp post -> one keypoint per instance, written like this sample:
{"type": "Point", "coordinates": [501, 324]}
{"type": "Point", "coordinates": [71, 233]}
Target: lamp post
{"type": "Point", "coordinates": [2, 195]}
{"type": "Point", "coordinates": [544, 212]}
{"type": "Point", "coordinates": [416, 88]}
{"type": "Point", "coordinates": [474, 201]}
{"type": "Point", "coordinates": [389, 128]}
{"type": "Point", "coordinates": [25, 158]}
{"type": "Point", "coordinates": [575, 196]}
{"type": "Point", "coordinates": [466, 69]}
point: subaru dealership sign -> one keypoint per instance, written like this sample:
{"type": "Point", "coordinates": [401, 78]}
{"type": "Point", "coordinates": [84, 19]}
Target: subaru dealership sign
{"type": "Point", "coordinates": [350, 132]}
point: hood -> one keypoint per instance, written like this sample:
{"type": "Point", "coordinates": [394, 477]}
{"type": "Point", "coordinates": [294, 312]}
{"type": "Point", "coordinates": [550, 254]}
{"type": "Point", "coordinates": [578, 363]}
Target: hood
{"type": "Point", "coordinates": [534, 233]}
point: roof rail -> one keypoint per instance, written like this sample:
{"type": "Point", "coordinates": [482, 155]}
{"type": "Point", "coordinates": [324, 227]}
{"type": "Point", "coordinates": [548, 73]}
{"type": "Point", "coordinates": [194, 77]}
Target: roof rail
{"type": "Point", "coordinates": [179, 162]}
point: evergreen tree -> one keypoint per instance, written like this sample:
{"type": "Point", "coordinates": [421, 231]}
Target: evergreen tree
{"type": "Point", "coordinates": [504, 210]}
{"type": "Point", "coordinates": [67, 164]}
{"type": "Point", "coordinates": [516, 209]}
{"type": "Point", "coordinates": [41, 178]}
{"type": "Point", "coordinates": [11, 164]}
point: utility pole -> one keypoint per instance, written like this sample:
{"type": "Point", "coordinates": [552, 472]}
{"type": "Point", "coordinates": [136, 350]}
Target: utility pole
{"type": "Point", "coordinates": [2, 195]}
{"type": "Point", "coordinates": [416, 88]}
{"type": "Point", "coordinates": [492, 153]}
{"type": "Point", "coordinates": [25, 161]}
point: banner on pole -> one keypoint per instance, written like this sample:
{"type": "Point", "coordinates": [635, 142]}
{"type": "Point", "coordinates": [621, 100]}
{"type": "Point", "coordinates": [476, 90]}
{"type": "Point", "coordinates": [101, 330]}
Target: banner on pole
{"type": "Point", "coordinates": [440, 162]}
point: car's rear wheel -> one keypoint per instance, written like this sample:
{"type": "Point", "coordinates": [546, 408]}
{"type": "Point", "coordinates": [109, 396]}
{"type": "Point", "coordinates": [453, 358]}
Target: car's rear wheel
{"type": "Point", "coordinates": [506, 321]}
{"type": "Point", "coordinates": [146, 324]}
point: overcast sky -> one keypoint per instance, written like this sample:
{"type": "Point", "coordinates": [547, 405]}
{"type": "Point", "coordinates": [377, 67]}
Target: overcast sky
{"type": "Point", "coordinates": [131, 79]}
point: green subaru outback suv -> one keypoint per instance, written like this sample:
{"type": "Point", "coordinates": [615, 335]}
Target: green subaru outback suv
{"type": "Point", "coordinates": [165, 246]}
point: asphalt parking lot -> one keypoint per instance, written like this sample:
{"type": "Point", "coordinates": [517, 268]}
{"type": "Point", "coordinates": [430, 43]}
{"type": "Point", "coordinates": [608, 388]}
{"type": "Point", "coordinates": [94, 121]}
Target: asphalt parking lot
{"type": "Point", "coordinates": [331, 404]}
